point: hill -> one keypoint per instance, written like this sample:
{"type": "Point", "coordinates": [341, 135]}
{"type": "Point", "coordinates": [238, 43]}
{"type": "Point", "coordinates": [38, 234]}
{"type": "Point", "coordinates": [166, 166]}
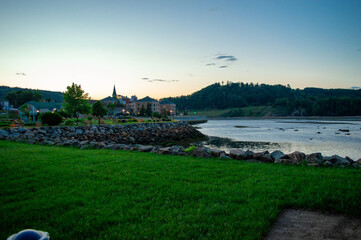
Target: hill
{"type": "Point", "coordinates": [57, 96]}
{"type": "Point", "coordinates": [283, 100]}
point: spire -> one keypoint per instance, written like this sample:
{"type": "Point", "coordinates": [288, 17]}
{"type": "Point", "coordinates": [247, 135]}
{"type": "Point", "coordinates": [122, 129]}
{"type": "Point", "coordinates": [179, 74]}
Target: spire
{"type": "Point", "coordinates": [114, 92]}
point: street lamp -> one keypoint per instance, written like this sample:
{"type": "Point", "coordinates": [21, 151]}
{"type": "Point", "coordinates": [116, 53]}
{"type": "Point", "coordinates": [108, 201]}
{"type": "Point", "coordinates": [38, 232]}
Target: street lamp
{"type": "Point", "coordinates": [33, 113]}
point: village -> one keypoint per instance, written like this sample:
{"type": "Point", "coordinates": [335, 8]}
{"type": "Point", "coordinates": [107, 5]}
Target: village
{"type": "Point", "coordinates": [116, 105]}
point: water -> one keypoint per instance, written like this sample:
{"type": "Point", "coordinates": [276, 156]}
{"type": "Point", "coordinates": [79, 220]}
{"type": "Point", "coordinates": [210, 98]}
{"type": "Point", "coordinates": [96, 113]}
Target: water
{"type": "Point", "coordinates": [287, 135]}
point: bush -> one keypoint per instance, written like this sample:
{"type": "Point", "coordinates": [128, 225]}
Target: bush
{"type": "Point", "coordinates": [190, 149]}
{"type": "Point", "coordinates": [64, 114]}
{"type": "Point", "coordinates": [90, 118]}
{"type": "Point", "coordinates": [50, 118]}
{"type": "Point", "coordinates": [69, 122]}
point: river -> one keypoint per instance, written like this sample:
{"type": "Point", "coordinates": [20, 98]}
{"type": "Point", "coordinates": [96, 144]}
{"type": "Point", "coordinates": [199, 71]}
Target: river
{"type": "Point", "coordinates": [328, 137]}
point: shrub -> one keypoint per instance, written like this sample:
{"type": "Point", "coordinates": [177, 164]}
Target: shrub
{"type": "Point", "coordinates": [90, 118]}
{"type": "Point", "coordinates": [190, 149]}
{"type": "Point", "coordinates": [64, 114]}
{"type": "Point", "coordinates": [50, 118]}
{"type": "Point", "coordinates": [69, 122]}
{"type": "Point", "coordinates": [13, 114]}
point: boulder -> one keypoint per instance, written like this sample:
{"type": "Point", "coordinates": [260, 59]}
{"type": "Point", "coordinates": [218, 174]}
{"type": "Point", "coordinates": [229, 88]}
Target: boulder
{"type": "Point", "coordinates": [146, 148]}
{"type": "Point", "coordinates": [264, 156]}
{"type": "Point", "coordinates": [350, 160]}
{"type": "Point", "coordinates": [178, 150]}
{"type": "Point", "coordinates": [226, 157]}
{"type": "Point", "coordinates": [165, 150]}
{"type": "Point", "coordinates": [338, 161]}
{"type": "Point", "coordinates": [277, 155]}
{"type": "Point", "coordinates": [292, 158]}
{"type": "Point", "coordinates": [22, 130]}
{"type": "Point", "coordinates": [238, 154]}
{"type": "Point", "coordinates": [100, 145]}
{"type": "Point", "coordinates": [4, 133]}
{"type": "Point", "coordinates": [203, 152]}
{"type": "Point", "coordinates": [217, 153]}
{"type": "Point", "coordinates": [314, 159]}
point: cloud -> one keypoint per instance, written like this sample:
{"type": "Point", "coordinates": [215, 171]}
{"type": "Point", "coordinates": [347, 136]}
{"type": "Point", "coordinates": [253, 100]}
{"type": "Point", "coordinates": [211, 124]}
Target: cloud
{"type": "Point", "coordinates": [158, 80]}
{"type": "Point", "coordinates": [222, 61]}
{"type": "Point", "coordinates": [22, 74]}
{"type": "Point", "coordinates": [227, 58]}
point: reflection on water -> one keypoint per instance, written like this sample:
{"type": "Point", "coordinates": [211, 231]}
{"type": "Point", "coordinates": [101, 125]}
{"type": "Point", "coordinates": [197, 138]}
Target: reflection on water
{"type": "Point", "coordinates": [328, 137]}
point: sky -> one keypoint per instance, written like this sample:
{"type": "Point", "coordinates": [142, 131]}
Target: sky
{"type": "Point", "coordinates": [171, 48]}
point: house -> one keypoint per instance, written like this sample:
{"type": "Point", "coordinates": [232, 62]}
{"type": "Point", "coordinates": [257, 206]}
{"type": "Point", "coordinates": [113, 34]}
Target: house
{"type": "Point", "coordinates": [167, 107]}
{"type": "Point", "coordinates": [41, 107]}
{"type": "Point", "coordinates": [145, 103]}
{"type": "Point", "coordinates": [4, 104]}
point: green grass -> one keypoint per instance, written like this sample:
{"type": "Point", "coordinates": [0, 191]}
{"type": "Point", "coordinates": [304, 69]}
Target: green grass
{"type": "Point", "coordinates": [104, 194]}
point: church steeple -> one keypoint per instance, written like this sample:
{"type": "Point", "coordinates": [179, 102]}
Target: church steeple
{"type": "Point", "coordinates": [114, 92]}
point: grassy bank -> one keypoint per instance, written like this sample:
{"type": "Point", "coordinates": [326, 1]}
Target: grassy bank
{"type": "Point", "coordinates": [104, 194]}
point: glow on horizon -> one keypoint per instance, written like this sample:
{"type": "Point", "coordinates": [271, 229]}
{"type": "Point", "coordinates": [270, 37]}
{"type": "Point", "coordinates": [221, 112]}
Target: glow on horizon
{"type": "Point", "coordinates": [184, 45]}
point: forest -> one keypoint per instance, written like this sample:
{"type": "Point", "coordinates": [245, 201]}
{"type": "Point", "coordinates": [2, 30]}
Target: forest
{"type": "Point", "coordinates": [306, 102]}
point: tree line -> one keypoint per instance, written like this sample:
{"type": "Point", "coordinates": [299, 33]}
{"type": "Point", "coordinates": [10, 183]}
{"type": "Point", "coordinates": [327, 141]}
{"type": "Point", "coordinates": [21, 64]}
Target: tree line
{"type": "Point", "coordinates": [306, 102]}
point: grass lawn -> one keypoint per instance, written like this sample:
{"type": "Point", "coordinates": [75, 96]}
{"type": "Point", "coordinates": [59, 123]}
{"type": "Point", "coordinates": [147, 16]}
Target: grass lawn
{"type": "Point", "coordinates": [104, 194]}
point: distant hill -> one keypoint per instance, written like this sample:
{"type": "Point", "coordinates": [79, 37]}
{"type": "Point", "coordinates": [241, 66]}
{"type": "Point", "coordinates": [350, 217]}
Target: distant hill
{"type": "Point", "coordinates": [57, 96]}
{"type": "Point", "coordinates": [288, 101]}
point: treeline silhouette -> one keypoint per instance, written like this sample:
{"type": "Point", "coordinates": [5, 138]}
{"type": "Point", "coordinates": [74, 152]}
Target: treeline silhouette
{"type": "Point", "coordinates": [306, 102]}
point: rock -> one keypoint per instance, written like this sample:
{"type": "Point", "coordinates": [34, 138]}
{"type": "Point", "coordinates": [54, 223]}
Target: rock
{"type": "Point", "coordinates": [165, 150]}
{"type": "Point", "coordinates": [238, 154]}
{"type": "Point", "coordinates": [100, 145]}
{"type": "Point", "coordinates": [29, 134]}
{"type": "Point", "coordinates": [337, 160]}
{"type": "Point", "coordinates": [124, 147]}
{"type": "Point", "coordinates": [178, 150]}
{"type": "Point", "coordinates": [79, 131]}
{"type": "Point", "coordinates": [203, 152]}
{"type": "Point", "coordinates": [328, 164]}
{"type": "Point", "coordinates": [4, 133]}
{"type": "Point", "coordinates": [155, 149]}
{"type": "Point", "coordinates": [22, 130]}
{"type": "Point", "coordinates": [146, 148]}
{"type": "Point", "coordinates": [297, 157]}
{"type": "Point", "coordinates": [349, 159]}
{"type": "Point", "coordinates": [263, 157]}
{"type": "Point", "coordinates": [356, 165]}
{"type": "Point", "coordinates": [277, 154]}
{"type": "Point", "coordinates": [217, 153]}
{"type": "Point", "coordinates": [249, 154]}
{"type": "Point", "coordinates": [314, 159]}
{"type": "Point", "coordinates": [226, 157]}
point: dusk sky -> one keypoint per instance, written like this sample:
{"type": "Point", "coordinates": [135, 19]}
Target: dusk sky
{"type": "Point", "coordinates": [171, 48]}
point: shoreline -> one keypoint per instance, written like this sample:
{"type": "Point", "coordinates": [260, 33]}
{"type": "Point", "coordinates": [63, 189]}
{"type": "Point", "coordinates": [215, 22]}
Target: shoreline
{"type": "Point", "coordinates": [326, 118]}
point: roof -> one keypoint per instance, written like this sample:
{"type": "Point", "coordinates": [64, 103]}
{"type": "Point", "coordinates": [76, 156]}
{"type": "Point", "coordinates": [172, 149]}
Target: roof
{"type": "Point", "coordinates": [166, 101]}
{"type": "Point", "coordinates": [109, 99]}
{"type": "Point", "coordinates": [43, 105]}
{"type": "Point", "coordinates": [147, 99]}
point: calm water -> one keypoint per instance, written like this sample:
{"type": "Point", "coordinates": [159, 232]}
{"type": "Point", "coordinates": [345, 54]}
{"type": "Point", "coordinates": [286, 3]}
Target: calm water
{"type": "Point", "coordinates": [289, 135]}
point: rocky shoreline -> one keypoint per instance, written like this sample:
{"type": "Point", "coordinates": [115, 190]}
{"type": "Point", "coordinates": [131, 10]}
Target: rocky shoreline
{"type": "Point", "coordinates": [151, 136]}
